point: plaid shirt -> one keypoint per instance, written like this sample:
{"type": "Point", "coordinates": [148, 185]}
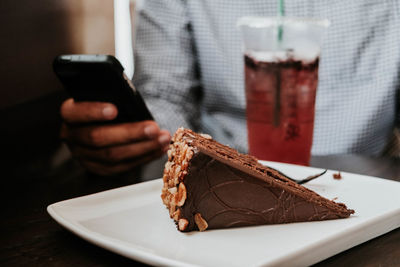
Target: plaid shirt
{"type": "Point", "coordinates": [189, 68]}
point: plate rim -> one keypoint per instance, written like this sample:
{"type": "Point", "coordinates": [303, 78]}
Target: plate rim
{"type": "Point", "coordinates": [108, 242]}
{"type": "Point", "coordinates": [128, 250]}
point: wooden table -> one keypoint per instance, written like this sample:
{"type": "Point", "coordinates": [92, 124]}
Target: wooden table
{"type": "Point", "coordinates": [30, 237]}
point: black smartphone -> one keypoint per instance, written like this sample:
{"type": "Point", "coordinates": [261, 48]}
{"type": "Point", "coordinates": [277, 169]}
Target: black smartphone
{"type": "Point", "coordinates": [101, 78]}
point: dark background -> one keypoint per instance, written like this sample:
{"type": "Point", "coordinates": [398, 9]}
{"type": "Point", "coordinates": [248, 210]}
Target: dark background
{"type": "Point", "coordinates": [32, 33]}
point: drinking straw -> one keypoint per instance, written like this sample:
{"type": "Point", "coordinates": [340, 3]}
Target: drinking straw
{"type": "Point", "coordinates": [281, 13]}
{"type": "Point", "coordinates": [277, 109]}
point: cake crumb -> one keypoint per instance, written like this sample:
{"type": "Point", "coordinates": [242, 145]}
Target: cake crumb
{"type": "Point", "coordinates": [337, 176]}
{"type": "Point", "coordinates": [335, 198]}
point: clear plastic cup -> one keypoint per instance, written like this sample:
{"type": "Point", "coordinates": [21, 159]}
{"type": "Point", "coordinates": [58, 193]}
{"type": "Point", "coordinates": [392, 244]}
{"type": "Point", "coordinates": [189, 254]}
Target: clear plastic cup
{"type": "Point", "coordinates": [281, 58]}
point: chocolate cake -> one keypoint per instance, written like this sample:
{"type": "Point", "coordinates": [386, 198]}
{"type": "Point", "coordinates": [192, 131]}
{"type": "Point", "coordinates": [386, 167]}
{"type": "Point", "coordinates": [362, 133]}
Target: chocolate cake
{"type": "Point", "coordinates": [208, 185]}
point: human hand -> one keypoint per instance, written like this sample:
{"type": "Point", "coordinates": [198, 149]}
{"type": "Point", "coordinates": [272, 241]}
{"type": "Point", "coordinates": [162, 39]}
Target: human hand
{"type": "Point", "coordinates": [107, 149]}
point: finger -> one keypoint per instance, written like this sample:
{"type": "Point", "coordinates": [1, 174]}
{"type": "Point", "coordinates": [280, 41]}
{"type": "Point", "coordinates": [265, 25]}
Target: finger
{"type": "Point", "coordinates": [164, 139]}
{"type": "Point", "coordinates": [116, 134]}
{"type": "Point", "coordinates": [104, 169]}
{"type": "Point", "coordinates": [84, 112]}
{"type": "Point", "coordinates": [115, 154]}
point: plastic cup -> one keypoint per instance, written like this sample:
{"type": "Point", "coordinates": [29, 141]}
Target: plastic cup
{"type": "Point", "coordinates": [281, 58]}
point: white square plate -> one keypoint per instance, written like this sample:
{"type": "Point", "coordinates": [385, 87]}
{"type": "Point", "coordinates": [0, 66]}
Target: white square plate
{"type": "Point", "coordinates": [132, 221]}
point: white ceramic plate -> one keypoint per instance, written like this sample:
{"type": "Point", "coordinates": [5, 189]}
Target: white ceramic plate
{"type": "Point", "coordinates": [133, 222]}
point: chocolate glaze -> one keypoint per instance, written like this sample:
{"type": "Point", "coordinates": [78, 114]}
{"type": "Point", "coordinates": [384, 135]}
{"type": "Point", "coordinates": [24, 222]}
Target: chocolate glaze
{"type": "Point", "coordinates": [228, 197]}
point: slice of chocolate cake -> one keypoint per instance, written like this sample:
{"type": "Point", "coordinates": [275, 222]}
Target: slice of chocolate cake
{"type": "Point", "coordinates": [208, 185]}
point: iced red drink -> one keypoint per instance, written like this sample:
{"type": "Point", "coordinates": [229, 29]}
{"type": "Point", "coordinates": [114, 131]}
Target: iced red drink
{"type": "Point", "coordinates": [281, 76]}
{"type": "Point", "coordinates": [280, 98]}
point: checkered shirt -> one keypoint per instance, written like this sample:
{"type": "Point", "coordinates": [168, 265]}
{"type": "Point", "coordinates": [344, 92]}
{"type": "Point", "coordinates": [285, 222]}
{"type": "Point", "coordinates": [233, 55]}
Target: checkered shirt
{"type": "Point", "coordinates": [189, 68]}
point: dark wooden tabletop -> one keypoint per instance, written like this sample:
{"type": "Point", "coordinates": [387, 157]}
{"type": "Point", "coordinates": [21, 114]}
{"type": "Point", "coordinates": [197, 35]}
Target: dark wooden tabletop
{"type": "Point", "coordinates": [31, 238]}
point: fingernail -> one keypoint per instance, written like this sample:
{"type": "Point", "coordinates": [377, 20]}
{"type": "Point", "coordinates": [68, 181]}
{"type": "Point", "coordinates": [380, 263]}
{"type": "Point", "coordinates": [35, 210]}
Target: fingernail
{"type": "Point", "coordinates": [164, 139]}
{"type": "Point", "coordinates": [151, 131]}
{"type": "Point", "coordinates": [108, 112]}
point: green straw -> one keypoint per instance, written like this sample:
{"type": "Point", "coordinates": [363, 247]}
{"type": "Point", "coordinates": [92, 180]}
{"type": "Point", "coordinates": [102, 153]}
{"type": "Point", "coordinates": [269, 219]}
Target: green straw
{"type": "Point", "coordinates": [277, 108]}
{"type": "Point", "coordinates": [281, 13]}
